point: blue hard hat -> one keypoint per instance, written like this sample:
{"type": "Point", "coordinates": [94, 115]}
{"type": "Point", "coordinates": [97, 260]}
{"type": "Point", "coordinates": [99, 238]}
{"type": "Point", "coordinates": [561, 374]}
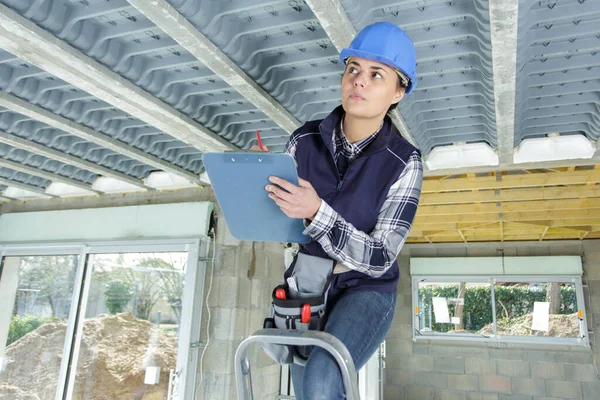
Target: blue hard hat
{"type": "Point", "coordinates": [386, 43]}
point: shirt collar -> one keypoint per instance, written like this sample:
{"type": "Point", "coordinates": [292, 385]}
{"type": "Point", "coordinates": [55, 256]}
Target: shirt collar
{"type": "Point", "coordinates": [341, 142]}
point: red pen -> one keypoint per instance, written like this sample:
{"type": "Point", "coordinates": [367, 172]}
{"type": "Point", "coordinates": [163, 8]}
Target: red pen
{"type": "Point", "coordinates": [259, 141]}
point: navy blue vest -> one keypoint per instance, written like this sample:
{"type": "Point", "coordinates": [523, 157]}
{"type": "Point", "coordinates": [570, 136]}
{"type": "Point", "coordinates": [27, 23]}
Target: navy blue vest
{"type": "Point", "coordinates": [358, 198]}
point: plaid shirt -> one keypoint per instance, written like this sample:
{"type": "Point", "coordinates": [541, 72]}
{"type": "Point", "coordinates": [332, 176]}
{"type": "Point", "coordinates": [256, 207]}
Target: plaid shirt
{"type": "Point", "coordinates": [355, 249]}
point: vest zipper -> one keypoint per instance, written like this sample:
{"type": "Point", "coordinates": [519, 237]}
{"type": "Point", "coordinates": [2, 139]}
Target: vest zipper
{"type": "Point", "coordinates": [341, 181]}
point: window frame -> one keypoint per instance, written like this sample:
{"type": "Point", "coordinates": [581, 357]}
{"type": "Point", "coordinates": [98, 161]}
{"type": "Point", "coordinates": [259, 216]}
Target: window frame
{"type": "Point", "coordinates": [493, 280]}
{"type": "Point", "coordinates": [198, 249]}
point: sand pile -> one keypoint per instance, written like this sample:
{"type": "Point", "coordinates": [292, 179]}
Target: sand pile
{"type": "Point", "coordinates": [115, 350]}
{"type": "Point", "coordinates": [561, 325]}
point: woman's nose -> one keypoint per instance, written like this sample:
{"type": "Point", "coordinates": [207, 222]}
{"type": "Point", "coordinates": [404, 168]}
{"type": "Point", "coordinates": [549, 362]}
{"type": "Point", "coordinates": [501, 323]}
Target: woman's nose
{"type": "Point", "coordinates": [359, 81]}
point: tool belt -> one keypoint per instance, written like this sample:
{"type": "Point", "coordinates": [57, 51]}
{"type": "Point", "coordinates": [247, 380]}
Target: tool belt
{"type": "Point", "coordinates": [299, 303]}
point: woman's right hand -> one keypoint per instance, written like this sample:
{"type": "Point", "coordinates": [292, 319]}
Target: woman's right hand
{"type": "Point", "coordinates": [255, 147]}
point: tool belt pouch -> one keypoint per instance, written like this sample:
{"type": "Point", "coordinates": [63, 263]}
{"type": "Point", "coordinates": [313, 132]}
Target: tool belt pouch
{"type": "Point", "coordinates": [307, 281]}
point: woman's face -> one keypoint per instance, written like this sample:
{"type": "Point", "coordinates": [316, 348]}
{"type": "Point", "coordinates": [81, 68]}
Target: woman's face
{"type": "Point", "coordinates": [369, 88]}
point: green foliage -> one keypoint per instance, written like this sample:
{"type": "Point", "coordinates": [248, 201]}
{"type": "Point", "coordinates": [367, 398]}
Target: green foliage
{"type": "Point", "coordinates": [22, 325]}
{"type": "Point", "coordinates": [117, 294]}
{"type": "Point", "coordinates": [52, 277]}
{"type": "Point", "coordinates": [511, 302]}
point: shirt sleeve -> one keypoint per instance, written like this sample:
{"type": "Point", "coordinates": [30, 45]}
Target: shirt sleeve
{"type": "Point", "coordinates": [372, 253]}
{"type": "Point", "coordinates": [290, 146]}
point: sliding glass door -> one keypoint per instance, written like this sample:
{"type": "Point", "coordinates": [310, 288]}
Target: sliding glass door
{"type": "Point", "coordinates": [36, 294]}
{"type": "Point", "coordinates": [110, 322]}
{"type": "Point", "coordinates": [131, 327]}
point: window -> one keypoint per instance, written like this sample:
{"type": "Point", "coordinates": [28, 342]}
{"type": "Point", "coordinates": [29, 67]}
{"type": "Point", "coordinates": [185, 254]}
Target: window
{"type": "Point", "coordinates": [109, 319]}
{"type": "Point", "coordinates": [35, 296]}
{"type": "Point", "coordinates": [501, 308]}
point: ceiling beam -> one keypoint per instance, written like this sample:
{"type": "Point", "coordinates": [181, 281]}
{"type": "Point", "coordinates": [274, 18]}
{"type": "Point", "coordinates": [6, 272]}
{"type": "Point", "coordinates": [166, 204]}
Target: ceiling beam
{"type": "Point", "coordinates": [26, 169]}
{"type": "Point", "coordinates": [29, 42]}
{"type": "Point", "coordinates": [38, 113]}
{"type": "Point", "coordinates": [503, 30]}
{"type": "Point", "coordinates": [24, 186]}
{"type": "Point", "coordinates": [513, 181]}
{"type": "Point", "coordinates": [491, 196]}
{"type": "Point", "coordinates": [549, 224]}
{"type": "Point", "coordinates": [560, 215]}
{"type": "Point", "coordinates": [494, 208]}
{"type": "Point", "coordinates": [192, 194]}
{"type": "Point", "coordinates": [514, 167]}
{"type": "Point", "coordinates": [334, 20]}
{"type": "Point", "coordinates": [170, 21]}
{"type": "Point", "coordinates": [44, 151]}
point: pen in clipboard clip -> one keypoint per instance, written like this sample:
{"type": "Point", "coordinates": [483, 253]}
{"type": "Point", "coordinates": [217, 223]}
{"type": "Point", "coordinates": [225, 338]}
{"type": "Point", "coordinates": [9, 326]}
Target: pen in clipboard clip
{"type": "Point", "coordinates": [259, 141]}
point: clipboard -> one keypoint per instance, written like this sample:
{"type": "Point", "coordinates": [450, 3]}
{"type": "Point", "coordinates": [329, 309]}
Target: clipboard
{"type": "Point", "coordinates": [238, 180]}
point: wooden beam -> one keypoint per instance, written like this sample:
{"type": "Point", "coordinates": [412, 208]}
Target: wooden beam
{"type": "Point", "coordinates": [544, 233]}
{"type": "Point", "coordinates": [446, 228]}
{"type": "Point", "coordinates": [489, 196]}
{"type": "Point", "coordinates": [551, 224]}
{"type": "Point", "coordinates": [513, 181]}
{"type": "Point", "coordinates": [584, 235]}
{"type": "Point", "coordinates": [508, 216]}
{"type": "Point", "coordinates": [537, 205]}
{"type": "Point", "coordinates": [462, 236]}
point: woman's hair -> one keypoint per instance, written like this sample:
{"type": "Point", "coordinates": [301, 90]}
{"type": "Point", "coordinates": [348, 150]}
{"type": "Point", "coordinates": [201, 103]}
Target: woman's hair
{"type": "Point", "coordinates": [401, 85]}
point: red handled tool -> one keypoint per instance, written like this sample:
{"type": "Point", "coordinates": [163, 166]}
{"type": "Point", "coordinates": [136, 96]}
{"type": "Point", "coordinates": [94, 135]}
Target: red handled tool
{"type": "Point", "coordinates": [305, 314]}
{"type": "Point", "coordinates": [280, 294]}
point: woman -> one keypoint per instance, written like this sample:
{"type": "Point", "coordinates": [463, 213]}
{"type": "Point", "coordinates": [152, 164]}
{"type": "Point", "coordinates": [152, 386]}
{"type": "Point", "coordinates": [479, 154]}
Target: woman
{"type": "Point", "coordinates": [359, 188]}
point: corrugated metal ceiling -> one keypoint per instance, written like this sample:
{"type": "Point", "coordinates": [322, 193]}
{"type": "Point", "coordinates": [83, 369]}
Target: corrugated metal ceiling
{"type": "Point", "coordinates": [283, 47]}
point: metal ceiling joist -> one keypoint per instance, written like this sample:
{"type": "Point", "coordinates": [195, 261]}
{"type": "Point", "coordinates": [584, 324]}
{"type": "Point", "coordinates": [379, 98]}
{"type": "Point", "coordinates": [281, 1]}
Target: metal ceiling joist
{"type": "Point", "coordinates": [337, 25]}
{"type": "Point", "coordinates": [29, 42]}
{"type": "Point", "coordinates": [26, 169]}
{"type": "Point", "coordinates": [30, 110]}
{"type": "Point", "coordinates": [24, 186]}
{"type": "Point", "coordinates": [503, 31]}
{"type": "Point", "coordinates": [179, 28]}
{"type": "Point", "coordinates": [35, 148]}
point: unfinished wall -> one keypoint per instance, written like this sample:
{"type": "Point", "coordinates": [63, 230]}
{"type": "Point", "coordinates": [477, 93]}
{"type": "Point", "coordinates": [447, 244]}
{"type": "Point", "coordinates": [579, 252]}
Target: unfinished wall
{"type": "Point", "coordinates": [450, 370]}
{"type": "Point", "coordinates": [244, 276]}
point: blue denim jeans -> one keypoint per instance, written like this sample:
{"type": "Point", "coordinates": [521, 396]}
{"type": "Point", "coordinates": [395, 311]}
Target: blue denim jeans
{"type": "Point", "coordinates": [360, 320]}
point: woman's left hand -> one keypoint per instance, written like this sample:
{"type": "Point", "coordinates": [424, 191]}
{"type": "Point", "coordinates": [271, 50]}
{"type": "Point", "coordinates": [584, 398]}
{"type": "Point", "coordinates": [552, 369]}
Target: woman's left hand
{"type": "Point", "coordinates": [295, 201]}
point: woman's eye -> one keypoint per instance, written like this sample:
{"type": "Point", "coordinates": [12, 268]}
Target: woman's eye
{"type": "Point", "coordinates": [352, 70]}
{"type": "Point", "coordinates": [376, 75]}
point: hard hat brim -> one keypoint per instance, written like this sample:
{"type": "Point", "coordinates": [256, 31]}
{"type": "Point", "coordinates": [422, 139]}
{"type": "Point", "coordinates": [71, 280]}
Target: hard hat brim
{"type": "Point", "coordinates": [346, 53]}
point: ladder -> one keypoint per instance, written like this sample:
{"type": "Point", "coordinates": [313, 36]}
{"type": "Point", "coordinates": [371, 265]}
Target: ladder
{"type": "Point", "coordinates": [295, 338]}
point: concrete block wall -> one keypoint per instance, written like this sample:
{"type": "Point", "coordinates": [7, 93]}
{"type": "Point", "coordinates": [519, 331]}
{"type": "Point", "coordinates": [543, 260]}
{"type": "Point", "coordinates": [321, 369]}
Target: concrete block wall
{"type": "Point", "coordinates": [462, 370]}
{"type": "Point", "coordinates": [244, 275]}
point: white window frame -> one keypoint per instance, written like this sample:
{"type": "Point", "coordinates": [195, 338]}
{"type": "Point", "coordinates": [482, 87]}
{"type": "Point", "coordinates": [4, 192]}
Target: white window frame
{"type": "Point", "coordinates": [198, 249]}
{"type": "Point", "coordinates": [492, 280]}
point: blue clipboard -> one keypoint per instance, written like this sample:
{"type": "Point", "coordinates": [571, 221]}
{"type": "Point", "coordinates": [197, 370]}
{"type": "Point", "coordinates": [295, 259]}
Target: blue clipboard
{"type": "Point", "coordinates": [238, 180]}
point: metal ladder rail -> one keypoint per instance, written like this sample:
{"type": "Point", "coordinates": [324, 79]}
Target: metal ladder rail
{"type": "Point", "coordinates": [295, 338]}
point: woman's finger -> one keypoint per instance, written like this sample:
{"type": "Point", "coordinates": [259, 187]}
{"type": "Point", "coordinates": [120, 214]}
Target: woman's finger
{"type": "Point", "coordinates": [284, 184]}
{"type": "Point", "coordinates": [279, 192]}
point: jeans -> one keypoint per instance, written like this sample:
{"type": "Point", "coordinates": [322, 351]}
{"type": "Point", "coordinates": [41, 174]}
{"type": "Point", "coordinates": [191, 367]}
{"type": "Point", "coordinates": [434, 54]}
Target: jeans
{"type": "Point", "coordinates": [360, 320]}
